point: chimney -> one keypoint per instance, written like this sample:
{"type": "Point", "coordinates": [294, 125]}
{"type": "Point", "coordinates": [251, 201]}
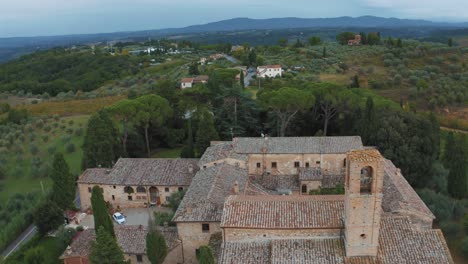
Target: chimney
{"type": "Point", "coordinates": [235, 188]}
{"type": "Point", "coordinates": [190, 168]}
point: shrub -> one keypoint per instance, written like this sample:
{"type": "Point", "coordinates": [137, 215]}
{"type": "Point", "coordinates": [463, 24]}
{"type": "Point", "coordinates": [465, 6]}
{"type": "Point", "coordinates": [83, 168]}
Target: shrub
{"type": "Point", "coordinates": [69, 131]}
{"type": "Point", "coordinates": [70, 148]}
{"type": "Point", "coordinates": [450, 229]}
{"type": "Point", "coordinates": [33, 149]}
{"type": "Point", "coordinates": [79, 228]}
{"type": "Point", "coordinates": [51, 150]}
{"type": "Point", "coordinates": [161, 217]}
{"type": "Point", "coordinates": [79, 132]}
{"type": "Point", "coordinates": [45, 138]}
{"type": "Point", "coordinates": [464, 246]}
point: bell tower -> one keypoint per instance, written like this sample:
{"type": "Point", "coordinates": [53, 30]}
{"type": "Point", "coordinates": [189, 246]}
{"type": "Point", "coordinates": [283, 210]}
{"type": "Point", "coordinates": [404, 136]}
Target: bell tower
{"type": "Point", "coordinates": [363, 199]}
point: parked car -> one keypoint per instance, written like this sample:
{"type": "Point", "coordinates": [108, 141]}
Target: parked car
{"type": "Point", "coordinates": [119, 218]}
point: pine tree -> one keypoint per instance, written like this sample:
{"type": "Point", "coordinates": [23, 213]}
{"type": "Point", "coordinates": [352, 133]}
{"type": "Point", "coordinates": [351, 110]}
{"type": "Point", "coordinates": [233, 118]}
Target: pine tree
{"type": "Point", "coordinates": [324, 52]}
{"type": "Point", "coordinates": [457, 179]}
{"type": "Point", "coordinates": [101, 146]}
{"type": "Point", "coordinates": [205, 256]}
{"type": "Point", "coordinates": [105, 249]}
{"type": "Point", "coordinates": [188, 151]}
{"type": "Point", "coordinates": [63, 189]}
{"type": "Point", "coordinates": [101, 216]}
{"type": "Point", "coordinates": [399, 43]}
{"type": "Point", "coordinates": [206, 132]}
{"type": "Point", "coordinates": [156, 247]}
{"type": "Point", "coordinates": [449, 150]}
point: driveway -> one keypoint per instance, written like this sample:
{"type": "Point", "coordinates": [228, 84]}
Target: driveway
{"type": "Point", "coordinates": [250, 73]}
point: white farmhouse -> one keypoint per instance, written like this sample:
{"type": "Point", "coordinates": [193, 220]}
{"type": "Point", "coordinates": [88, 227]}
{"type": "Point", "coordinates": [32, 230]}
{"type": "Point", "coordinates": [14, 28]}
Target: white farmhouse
{"type": "Point", "coordinates": [186, 83]}
{"type": "Point", "coordinates": [270, 71]}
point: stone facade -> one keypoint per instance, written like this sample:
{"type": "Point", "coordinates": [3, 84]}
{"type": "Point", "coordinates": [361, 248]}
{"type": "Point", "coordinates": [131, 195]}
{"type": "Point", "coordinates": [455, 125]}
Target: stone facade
{"type": "Point", "coordinates": [288, 164]}
{"type": "Point", "coordinates": [116, 195]}
{"type": "Point", "coordinates": [193, 236]}
{"type": "Point", "coordinates": [236, 234]}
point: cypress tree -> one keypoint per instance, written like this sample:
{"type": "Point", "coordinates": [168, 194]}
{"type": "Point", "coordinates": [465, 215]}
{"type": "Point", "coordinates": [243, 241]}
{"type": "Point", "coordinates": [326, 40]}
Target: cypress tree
{"type": "Point", "coordinates": [47, 216]}
{"type": "Point", "coordinates": [101, 146]}
{"type": "Point", "coordinates": [188, 151]}
{"type": "Point", "coordinates": [242, 84]}
{"type": "Point", "coordinates": [324, 52]}
{"type": "Point", "coordinates": [101, 216]}
{"type": "Point", "coordinates": [449, 150]}
{"type": "Point", "coordinates": [206, 133]}
{"type": "Point", "coordinates": [205, 256]}
{"type": "Point", "coordinates": [156, 247]}
{"type": "Point", "coordinates": [457, 179]}
{"type": "Point", "coordinates": [63, 190]}
{"type": "Point", "coordinates": [105, 249]}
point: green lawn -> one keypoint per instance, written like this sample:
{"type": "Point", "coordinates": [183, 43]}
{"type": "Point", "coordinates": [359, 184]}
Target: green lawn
{"type": "Point", "coordinates": [167, 153]}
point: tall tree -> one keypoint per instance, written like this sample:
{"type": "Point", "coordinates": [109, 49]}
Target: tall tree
{"type": "Point", "coordinates": [205, 256]}
{"type": "Point", "coordinates": [156, 247]}
{"type": "Point", "coordinates": [101, 216]}
{"type": "Point", "coordinates": [343, 37]}
{"type": "Point", "coordinates": [283, 42]}
{"type": "Point", "coordinates": [363, 38]}
{"type": "Point", "coordinates": [314, 40]}
{"type": "Point", "coordinates": [101, 146]}
{"type": "Point", "coordinates": [188, 150]}
{"type": "Point", "coordinates": [373, 38]}
{"type": "Point", "coordinates": [63, 189]}
{"type": "Point", "coordinates": [47, 217]}
{"type": "Point", "coordinates": [193, 69]}
{"type": "Point", "coordinates": [241, 79]}
{"type": "Point", "coordinates": [450, 42]}
{"type": "Point", "coordinates": [206, 132]}
{"type": "Point", "coordinates": [105, 249]}
{"type": "Point", "coordinates": [324, 52]}
{"type": "Point", "coordinates": [367, 125]}
{"type": "Point", "coordinates": [458, 169]}
{"type": "Point", "coordinates": [153, 110]}
{"type": "Point", "coordinates": [124, 111]}
{"type": "Point", "coordinates": [330, 102]}
{"type": "Point", "coordinates": [285, 103]}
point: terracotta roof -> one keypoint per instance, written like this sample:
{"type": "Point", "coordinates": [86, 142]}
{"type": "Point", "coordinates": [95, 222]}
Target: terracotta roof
{"type": "Point", "coordinates": [310, 174]}
{"type": "Point", "coordinates": [275, 66]}
{"type": "Point", "coordinates": [283, 212]}
{"type": "Point", "coordinates": [201, 78]}
{"type": "Point", "coordinates": [285, 145]}
{"type": "Point", "coordinates": [187, 80]}
{"type": "Point", "coordinates": [144, 172]}
{"type": "Point", "coordinates": [219, 151]}
{"type": "Point", "coordinates": [132, 239]}
{"type": "Point", "coordinates": [206, 195]}
{"type": "Point", "coordinates": [80, 245]}
{"type": "Point", "coordinates": [364, 155]}
{"type": "Point", "coordinates": [399, 196]}
{"type": "Point", "coordinates": [399, 242]}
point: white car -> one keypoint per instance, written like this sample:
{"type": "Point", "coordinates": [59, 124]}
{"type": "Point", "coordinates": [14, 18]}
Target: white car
{"type": "Point", "coordinates": [119, 218]}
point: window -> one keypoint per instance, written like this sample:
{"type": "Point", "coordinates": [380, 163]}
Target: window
{"type": "Point", "coordinates": [89, 189]}
{"type": "Point", "coordinates": [141, 189]}
{"type": "Point", "coordinates": [297, 164]}
{"type": "Point", "coordinates": [204, 167]}
{"type": "Point", "coordinates": [304, 188]}
{"type": "Point", "coordinates": [205, 227]}
{"type": "Point", "coordinates": [139, 258]}
{"type": "Point", "coordinates": [366, 180]}
{"type": "Point", "coordinates": [130, 198]}
{"type": "Point", "coordinates": [307, 165]}
{"type": "Point", "coordinates": [317, 162]}
{"type": "Point", "coordinates": [259, 165]}
{"type": "Point", "coordinates": [181, 189]}
{"type": "Point", "coordinates": [166, 189]}
{"type": "Point", "coordinates": [273, 164]}
{"type": "Point", "coordinates": [113, 186]}
{"type": "Point", "coordinates": [215, 164]}
{"type": "Point", "coordinates": [167, 198]}
{"type": "Point", "coordinates": [113, 198]}
{"type": "Point", "coordinates": [344, 163]}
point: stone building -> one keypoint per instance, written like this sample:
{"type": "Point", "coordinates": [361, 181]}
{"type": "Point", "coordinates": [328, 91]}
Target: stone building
{"type": "Point", "coordinates": [132, 241]}
{"type": "Point", "coordinates": [138, 182]}
{"type": "Point", "coordinates": [253, 194]}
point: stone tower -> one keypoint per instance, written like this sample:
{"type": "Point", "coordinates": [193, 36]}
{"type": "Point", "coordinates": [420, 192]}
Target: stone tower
{"type": "Point", "coordinates": [363, 199]}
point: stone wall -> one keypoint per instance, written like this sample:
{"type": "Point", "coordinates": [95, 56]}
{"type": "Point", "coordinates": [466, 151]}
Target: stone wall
{"type": "Point", "coordinates": [116, 195]}
{"type": "Point", "coordinates": [311, 185]}
{"type": "Point", "coordinates": [193, 238]}
{"type": "Point", "coordinates": [329, 163]}
{"type": "Point", "coordinates": [230, 161]}
{"type": "Point", "coordinates": [234, 234]}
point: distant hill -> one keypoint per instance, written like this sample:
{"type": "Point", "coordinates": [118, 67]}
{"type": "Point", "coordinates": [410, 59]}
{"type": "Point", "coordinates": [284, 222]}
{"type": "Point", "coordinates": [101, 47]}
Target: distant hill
{"type": "Point", "coordinates": [13, 47]}
{"type": "Point", "coordinates": [294, 22]}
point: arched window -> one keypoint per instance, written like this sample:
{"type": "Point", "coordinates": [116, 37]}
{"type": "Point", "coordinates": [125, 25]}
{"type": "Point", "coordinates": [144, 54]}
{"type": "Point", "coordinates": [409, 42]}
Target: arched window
{"type": "Point", "coordinates": [128, 189]}
{"type": "Point", "coordinates": [141, 189]}
{"type": "Point", "coordinates": [366, 180]}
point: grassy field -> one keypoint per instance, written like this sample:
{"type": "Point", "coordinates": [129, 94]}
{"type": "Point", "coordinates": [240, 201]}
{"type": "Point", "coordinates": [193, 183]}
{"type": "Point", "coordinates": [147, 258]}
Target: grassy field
{"type": "Point", "coordinates": [71, 107]}
{"type": "Point", "coordinates": [40, 145]}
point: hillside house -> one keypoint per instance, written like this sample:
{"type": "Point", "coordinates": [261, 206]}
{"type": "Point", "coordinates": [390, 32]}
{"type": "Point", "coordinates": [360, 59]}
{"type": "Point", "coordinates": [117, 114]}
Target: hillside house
{"type": "Point", "coordinates": [189, 82]}
{"type": "Point", "coordinates": [355, 41]}
{"type": "Point", "coordinates": [270, 71]}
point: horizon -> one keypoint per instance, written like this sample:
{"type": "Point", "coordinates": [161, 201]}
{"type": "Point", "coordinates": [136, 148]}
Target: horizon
{"type": "Point", "coordinates": [27, 18]}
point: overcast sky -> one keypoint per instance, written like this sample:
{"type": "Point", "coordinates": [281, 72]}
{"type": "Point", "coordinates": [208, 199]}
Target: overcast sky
{"type": "Point", "coordinates": [58, 17]}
